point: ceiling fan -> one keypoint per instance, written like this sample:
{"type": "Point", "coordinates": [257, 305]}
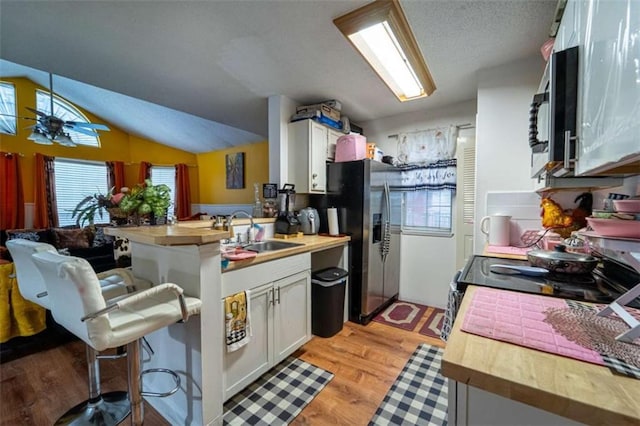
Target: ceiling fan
{"type": "Point", "coordinates": [50, 129]}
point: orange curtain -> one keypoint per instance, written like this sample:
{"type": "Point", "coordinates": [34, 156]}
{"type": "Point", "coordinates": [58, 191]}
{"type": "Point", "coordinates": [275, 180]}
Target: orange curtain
{"type": "Point", "coordinates": [145, 171]}
{"type": "Point", "coordinates": [11, 195]}
{"type": "Point", "coordinates": [45, 213]}
{"type": "Point", "coordinates": [116, 175]}
{"type": "Point", "coordinates": [183, 196]}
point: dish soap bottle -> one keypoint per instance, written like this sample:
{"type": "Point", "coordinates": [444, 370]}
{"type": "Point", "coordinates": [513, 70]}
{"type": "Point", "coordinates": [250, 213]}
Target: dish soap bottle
{"type": "Point", "coordinates": [257, 205]}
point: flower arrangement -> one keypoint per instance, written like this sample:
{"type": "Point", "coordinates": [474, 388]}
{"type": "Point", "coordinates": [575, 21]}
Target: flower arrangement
{"type": "Point", "coordinates": [143, 199]}
{"type": "Point", "coordinates": [146, 198]}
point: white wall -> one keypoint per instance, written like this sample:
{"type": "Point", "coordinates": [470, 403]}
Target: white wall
{"type": "Point", "coordinates": [378, 131]}
{"type": "Point", "coordinates": [502, 148]}
{"type": "Point", "coordinates": [427, 264]}
{"type": "Point", "coordinates": [280, 110]}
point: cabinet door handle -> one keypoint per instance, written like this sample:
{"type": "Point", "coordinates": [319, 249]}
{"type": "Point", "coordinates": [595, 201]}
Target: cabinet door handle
{"type": "Point", "coordinates": [315, 175]}
{"type": "Point", "coordinates": [272, 301]}
{"type": "Point", "coordinates": [278, 290]}
{"type": "Point", "coordinates": [567, 149]}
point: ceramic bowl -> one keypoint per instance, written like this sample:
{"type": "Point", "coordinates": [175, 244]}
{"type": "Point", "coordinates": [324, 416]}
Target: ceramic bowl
{"type": "Point", "coordinates": [615, 227]}
{"type": "Point", "coordinates": [627, 206]}
{"type": "Point", "coordinates": [601, 214]}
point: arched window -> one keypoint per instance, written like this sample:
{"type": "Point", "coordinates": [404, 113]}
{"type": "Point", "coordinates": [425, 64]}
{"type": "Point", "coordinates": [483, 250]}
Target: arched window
{"type": "Point", "coordinates": [67, 112]}
{"type": "Point", "coordinates": [7, 108]}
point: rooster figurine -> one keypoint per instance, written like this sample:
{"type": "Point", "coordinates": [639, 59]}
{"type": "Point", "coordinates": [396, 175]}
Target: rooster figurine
{"type": "Point", "coordinates": [563, 223]}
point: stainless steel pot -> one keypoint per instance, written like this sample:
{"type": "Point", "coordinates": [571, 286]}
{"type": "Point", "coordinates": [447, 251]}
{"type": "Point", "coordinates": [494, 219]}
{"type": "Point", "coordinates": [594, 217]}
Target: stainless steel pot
{"type": "Point", "coordinates": [559, 260]}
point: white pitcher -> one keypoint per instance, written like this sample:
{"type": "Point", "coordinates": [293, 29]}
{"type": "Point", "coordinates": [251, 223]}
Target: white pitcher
{"type": "Point", "coordinates": [498, 229]}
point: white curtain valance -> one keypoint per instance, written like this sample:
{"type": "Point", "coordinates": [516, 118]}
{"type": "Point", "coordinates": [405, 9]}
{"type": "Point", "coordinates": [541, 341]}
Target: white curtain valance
{"type": "Point", "coordinates": [427, 146]}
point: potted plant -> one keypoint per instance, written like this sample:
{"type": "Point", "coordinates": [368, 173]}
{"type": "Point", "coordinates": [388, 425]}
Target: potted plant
{"type": "Point", "coordinates": [91, 205]}
{"type": "Point", "coordinates": [147, 199]}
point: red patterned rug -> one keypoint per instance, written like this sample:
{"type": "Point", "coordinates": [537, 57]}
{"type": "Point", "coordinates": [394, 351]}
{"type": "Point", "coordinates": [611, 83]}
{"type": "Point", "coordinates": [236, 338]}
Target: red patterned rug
{"type": "Point", "coordinates": [404, 315]}
{"type": "Point", "coordinates": [433, 325]}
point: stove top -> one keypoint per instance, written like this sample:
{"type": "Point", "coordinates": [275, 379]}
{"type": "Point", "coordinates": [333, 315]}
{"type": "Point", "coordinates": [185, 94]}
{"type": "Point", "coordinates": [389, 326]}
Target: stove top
{"type": "Point", "coordinates": [597, 287]}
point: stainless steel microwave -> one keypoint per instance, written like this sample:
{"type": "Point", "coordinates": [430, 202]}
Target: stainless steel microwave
{"type": "Point", "coordinates": [553, 117]}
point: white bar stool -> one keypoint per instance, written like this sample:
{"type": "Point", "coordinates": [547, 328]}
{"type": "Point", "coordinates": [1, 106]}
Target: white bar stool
{"type": "Point", "coordinates": [106, 409]}
{"type": "Point", "coordinates": [78, 305]}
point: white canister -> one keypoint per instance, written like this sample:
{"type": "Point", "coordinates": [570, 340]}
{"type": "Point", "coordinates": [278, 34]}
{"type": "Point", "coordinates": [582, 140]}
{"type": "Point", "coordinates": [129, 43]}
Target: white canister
{"type": "Point", "coordinates": [496, 227]}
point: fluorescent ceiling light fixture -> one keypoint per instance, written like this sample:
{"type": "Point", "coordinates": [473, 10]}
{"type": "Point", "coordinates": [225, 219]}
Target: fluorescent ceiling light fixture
{"type": "Point", "coordinates": [381, 34]}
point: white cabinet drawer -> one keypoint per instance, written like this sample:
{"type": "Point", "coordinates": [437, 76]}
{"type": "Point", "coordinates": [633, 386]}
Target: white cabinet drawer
{"type": "Point", "coordinates": [262, 273]}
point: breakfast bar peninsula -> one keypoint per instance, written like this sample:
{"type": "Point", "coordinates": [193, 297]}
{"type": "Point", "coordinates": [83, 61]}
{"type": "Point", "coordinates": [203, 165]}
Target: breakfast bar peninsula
{"type": "Point", "coordinates": [279, 284]}
{"type": "Point", "coordinates": [190, 258]}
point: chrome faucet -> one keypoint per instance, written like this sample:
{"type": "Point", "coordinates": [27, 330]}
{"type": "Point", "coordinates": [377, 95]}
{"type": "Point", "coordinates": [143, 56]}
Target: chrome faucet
{"type": "Point", "coordinates": [230, 225]}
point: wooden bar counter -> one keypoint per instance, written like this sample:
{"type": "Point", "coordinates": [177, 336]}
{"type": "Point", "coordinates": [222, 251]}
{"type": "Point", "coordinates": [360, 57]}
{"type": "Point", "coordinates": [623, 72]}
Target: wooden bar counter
{"type": "Point", "coordinates": [189, 255]}
{"type": "Point", "coordinates": [166, 235]}
{"type": "Point", "coordinates": [573, 389]}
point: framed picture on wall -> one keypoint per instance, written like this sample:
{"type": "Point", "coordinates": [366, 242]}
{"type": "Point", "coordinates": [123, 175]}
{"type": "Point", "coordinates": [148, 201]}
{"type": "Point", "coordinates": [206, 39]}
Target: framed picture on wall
{"type": "Point", "coordinates": [235, 170]}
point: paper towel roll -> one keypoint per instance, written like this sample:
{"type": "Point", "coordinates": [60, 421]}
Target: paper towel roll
{"type": "Point", "coordinates": [332, 218]}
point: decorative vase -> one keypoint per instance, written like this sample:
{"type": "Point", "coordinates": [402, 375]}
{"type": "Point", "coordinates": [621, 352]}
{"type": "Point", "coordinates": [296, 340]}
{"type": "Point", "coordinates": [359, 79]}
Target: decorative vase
{"type": "Point", "coordinates": [117, 217]}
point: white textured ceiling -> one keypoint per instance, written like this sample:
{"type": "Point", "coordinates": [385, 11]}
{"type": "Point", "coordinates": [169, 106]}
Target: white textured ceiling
{"type": "Point", "coordinates": [197, 74]}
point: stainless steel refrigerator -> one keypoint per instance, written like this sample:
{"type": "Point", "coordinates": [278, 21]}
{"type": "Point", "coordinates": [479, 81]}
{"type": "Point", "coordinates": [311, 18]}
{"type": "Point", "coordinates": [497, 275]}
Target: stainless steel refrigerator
{"type": "Point", "coordinates": [370, 214]}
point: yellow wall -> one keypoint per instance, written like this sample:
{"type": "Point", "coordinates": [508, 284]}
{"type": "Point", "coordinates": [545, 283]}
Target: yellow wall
{"type": "Point", "coordinates": [212, 174]}
{"type": "Point", "coordinates": [206, 172]}
{"type": "Point", "coordinates": [116, 145]}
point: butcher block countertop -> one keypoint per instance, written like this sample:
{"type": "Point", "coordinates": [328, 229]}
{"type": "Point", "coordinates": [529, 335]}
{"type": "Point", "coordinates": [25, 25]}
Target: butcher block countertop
{"type": "Point", "coordinates": [310, 243]}
{"type": "Point", "coordinates": [574, 389]}
{"type": "Point", "coordinates": [166, 235]}
{"type": "Point", "coordinates": [197, 234]}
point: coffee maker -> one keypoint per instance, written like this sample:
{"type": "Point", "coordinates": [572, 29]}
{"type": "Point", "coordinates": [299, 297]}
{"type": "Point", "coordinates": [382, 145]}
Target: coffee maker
{"type": "Point", "coordinates": [286, 223]}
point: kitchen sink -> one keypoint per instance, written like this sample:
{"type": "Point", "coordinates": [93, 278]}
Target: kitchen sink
{"type": "Point", "coordinates": [270, 246]}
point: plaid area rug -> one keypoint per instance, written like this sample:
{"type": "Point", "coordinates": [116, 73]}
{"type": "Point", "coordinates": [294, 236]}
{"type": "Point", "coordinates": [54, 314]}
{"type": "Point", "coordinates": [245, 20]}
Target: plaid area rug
{"type": "Point", "coordinates": [419, 394]}
{"type": "Point", "coordinates": [278, 396]}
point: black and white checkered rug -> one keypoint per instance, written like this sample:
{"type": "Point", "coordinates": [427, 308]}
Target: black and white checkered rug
{"type": "Point", "coordinates": [419, 394]}
{"type": "Point", "coordinates": [278, 396]}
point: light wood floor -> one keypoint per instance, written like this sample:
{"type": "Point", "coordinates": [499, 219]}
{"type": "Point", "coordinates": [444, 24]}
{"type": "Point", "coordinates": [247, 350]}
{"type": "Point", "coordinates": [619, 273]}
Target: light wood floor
{"type": "Point", "coordinates": [39, 388]}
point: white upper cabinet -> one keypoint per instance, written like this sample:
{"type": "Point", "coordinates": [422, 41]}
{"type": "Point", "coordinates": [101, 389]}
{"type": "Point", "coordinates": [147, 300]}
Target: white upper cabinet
{"type": "Point", "coordinates": [571, 27]}
{"type": "Point", "coordinates": [310, 145]}
{"type": "Point", "coordinates": [608, 33]}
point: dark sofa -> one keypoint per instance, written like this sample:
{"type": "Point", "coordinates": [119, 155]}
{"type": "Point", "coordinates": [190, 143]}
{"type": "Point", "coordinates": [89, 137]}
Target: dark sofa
{"type": "Point", "coordinates": [89, 243]}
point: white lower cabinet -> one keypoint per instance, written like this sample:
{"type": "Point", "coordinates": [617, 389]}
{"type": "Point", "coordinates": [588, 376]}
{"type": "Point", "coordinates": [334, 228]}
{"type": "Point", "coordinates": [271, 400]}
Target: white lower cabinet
{"type": "Point", "coordinates": [280, 313]}
{"type": "Point", "coordinates": [252, 360]}
{"type": "Point", "coordinates": [291, 314]}
{"type": "Point", "coordinates": [469, 405]}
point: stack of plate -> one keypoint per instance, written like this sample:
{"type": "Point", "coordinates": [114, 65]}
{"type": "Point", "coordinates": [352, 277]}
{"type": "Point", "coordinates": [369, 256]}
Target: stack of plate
{"type": "Point", "coordinates": [625, 223]}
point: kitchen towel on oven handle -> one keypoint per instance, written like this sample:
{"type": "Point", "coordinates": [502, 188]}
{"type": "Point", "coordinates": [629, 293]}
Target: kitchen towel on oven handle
{"type": "Point", "coordinates": [237, 320]}
{"type": "Point", "coordinates": [453, 304]}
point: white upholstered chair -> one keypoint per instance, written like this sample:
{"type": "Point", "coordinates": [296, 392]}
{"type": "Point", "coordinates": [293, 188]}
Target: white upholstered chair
{"type": "Point", "coordinates": [114, 283]}
{"type": "Point", "coordinates": [78, 305]}
{"type": "Point", "coordinates": [103, 409]}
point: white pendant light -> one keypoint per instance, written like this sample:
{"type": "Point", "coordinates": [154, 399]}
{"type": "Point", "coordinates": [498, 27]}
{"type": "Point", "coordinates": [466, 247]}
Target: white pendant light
{"type": "Point", "coordinates": [64, 140]}
{"type": "Point", "coordinates": [38, 137]}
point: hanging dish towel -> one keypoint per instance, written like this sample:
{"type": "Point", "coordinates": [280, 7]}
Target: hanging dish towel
{"type": "Point", "coordinates": [237, 321]}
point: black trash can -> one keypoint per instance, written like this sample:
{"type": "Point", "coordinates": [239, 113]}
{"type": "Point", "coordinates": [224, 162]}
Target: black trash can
{"type": "Point", "coordinates": [327, 301]}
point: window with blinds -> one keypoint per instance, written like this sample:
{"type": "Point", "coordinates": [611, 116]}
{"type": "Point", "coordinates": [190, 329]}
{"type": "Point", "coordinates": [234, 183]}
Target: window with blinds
{"type": "Point", "coordinates": [75, 180]}
{"type": "Point", "coordinates": [67, 112]}
{"type": "Point", "coordinates": [166, 175]}
{"type": "Point", "coordinates": [428, 211]}
{"type": "Point", "coordinates": [7, 108]}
